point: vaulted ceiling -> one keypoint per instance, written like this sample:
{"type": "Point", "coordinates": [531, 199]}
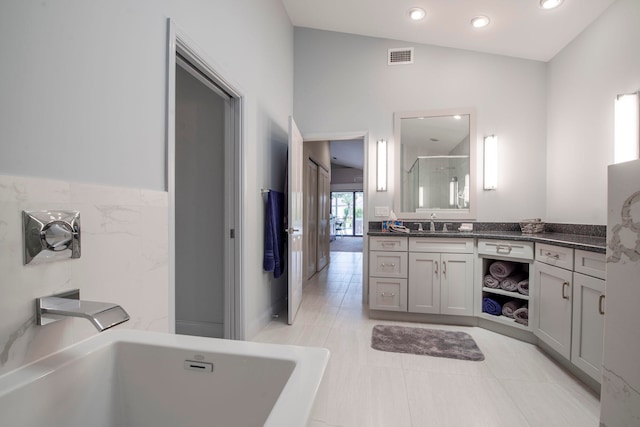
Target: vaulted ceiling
{"type": "Point", "coordinates": [519, 28]}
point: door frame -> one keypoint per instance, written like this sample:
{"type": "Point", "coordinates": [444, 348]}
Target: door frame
{"type": "Point", "coordinates": [179, 42]}
{"type": "Point", "coordinates": [342, 136]}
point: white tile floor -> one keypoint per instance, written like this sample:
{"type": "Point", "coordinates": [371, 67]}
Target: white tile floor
{"type": "Point", "coordinates": [516, 384]}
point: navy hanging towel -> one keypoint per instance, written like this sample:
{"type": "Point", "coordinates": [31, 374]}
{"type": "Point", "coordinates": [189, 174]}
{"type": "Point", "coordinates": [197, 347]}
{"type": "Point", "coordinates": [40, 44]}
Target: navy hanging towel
{"type": "Point", "coordinates": [273, 234]}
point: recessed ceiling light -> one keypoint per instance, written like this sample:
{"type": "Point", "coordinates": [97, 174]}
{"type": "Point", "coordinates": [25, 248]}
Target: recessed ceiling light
{"type": "Point", "coordinates": [480, 21]}
{"type": "Point", "coordinates": [416, 13]}
{"type": "Point", "coordinates": [550, 4]}
{"type": "Point", "coordinates": [457, 117]}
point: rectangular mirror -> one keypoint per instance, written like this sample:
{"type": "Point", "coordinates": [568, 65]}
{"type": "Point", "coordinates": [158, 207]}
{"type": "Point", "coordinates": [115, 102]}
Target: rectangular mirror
{"type": "Point", "coordinates": [435, 162]}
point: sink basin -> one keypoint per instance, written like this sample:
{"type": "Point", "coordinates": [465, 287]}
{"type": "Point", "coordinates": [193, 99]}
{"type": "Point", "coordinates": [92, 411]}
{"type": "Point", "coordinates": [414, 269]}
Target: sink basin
{"type": "Point", "coordinates": [131, 378]}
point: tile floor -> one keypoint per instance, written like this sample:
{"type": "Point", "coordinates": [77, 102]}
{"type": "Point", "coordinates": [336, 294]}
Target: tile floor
{"type": "Point", "coordinates": [516, 384]}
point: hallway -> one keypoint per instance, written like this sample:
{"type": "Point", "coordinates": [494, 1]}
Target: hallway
{"type": "Point", "coordinates": [516, 384]}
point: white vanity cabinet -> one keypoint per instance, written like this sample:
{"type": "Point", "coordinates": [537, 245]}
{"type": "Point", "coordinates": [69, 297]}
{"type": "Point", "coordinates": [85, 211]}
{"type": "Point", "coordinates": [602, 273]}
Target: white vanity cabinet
{"type": "Point", "coordinates": [570, 299]}
{"type": "Point", "coordinates": [588, 312]}
{"type": "Point", "coordinates": [388, 267]}
{"type": "Point", "coordinates": [441, 276]}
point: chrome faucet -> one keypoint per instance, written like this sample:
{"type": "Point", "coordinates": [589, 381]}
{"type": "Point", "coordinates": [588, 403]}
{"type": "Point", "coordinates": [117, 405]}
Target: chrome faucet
{"type": "Point", "coordinates": [102, 315]}
{"type": "Point", "coordinates": [432, 226]}
{"type": "Point", "coordinates": [419, 224]}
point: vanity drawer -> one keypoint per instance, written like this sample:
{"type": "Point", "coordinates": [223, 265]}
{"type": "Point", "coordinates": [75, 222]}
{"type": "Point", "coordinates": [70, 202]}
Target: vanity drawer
{"type": "Point", "coordinates": [555, 255]}
{"type": "Point", "coordinates": [441, 245]}
{"type": "Point", "coordinates": [388, 264]}
{"type": "Point", "coordinates": [505, 248]}
{"type": "Point", "coordinates": [388, 294]}
{"type": "Point", "coordinates": [388, 243]}
{"type": "Point", "coordinates": [590, 263]}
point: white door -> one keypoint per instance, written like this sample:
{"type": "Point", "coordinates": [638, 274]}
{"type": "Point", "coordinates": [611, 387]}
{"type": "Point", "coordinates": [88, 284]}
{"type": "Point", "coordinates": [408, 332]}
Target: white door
{"type": "Point", "coordinates": [323, 217]}
{"type": "Point", "coordinates": [311, 215]}
{"type": "Point", "coordinates": [295, 218]}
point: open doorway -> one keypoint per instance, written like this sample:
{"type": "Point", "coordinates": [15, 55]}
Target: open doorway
{"type": "Point", "coordinates": [346, 155]}
{"type": "Point", "coordinates": [203, 181]}
{"type": "Point", "coordinates": [347, 195]}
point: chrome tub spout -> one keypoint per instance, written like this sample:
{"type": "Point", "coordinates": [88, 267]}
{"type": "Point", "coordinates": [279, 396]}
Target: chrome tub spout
{"type": "Point", "coordinates": [102, 315]}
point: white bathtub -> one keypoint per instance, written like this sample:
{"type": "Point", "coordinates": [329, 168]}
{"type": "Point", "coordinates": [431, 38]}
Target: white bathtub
{"type": "Point", "coordinates": [125, 378]}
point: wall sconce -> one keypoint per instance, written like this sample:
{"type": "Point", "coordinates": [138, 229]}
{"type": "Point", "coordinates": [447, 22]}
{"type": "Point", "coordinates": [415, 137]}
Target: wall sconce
{"type": "Point", "coordinates": [627, 128]}
{"type": "Point", "coordinates": [491, 162]}
{"type": "Point", "coordinates": [381, 182]}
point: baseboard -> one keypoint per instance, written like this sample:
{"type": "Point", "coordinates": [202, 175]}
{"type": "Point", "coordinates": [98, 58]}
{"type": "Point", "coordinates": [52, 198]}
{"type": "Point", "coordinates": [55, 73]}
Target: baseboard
{"type": "Point", "coordinates": [573, 369]}
{"type": "Point", "coordinates": [277, 308]}
{"type": "Point", "coordinates": [509, 331]}
{"type": "Point", "coordinates": [200, 329]}
{"type": "Point", "coordinates": [423, 318]}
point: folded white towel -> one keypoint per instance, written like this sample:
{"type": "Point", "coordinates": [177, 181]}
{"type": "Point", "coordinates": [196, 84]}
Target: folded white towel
{"type": "Point", "coordinates": [510, 307]}
{"type": "Point", "coordinates": [523, 287]}
{"type": "Point", "coordinates": [503, 269]}
{"type": "Point", "coordinates": [521, 315]}
{"type": "Point", "coordinates": [511, 283]}
{"type": "Point", "coordinates": [491, 282]}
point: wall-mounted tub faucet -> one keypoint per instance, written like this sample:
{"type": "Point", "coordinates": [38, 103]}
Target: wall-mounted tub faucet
{"type": "Point", "coordinates": [102, 315]}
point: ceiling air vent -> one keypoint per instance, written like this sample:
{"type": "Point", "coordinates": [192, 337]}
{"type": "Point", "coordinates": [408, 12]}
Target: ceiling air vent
{"type": "Point", "coordinates": [399, 56]}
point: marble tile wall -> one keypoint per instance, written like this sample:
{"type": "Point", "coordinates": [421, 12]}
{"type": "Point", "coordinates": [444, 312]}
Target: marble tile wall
{"type": "Point", "coordinates": [124, 260]}
{"type": "Point", "coordinates": [620, 372]}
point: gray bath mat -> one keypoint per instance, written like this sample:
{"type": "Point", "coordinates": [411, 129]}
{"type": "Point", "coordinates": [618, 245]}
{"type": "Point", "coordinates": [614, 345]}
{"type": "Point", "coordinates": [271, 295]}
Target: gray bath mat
{"type": "Point", "coordinates": [431, 342]}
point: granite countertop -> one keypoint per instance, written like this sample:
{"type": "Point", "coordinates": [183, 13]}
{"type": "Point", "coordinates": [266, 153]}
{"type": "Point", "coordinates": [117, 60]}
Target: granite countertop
{"type": "Point", "coordinates": [576, 241]}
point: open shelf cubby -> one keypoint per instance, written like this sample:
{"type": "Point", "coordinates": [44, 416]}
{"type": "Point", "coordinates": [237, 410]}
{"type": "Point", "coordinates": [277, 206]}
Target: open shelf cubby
{"type": "Point", "coordinates": [503, 296]}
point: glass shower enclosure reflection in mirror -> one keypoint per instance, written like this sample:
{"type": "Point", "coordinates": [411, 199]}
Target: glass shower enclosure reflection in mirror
{"type": "Point", "coordinates": [437, 182]}
{"type": "Point", "coordinates": [435, 161]}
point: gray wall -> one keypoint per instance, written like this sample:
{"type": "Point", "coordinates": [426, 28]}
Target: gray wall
{"type": "Point", "coordinates": [83, 90]}
{"type": "Point", "coordinates": [345, 179]}
{"type": "Point", "coordinates": [584, 80]}
{"type": "Point", "coordinates": [343, 83]}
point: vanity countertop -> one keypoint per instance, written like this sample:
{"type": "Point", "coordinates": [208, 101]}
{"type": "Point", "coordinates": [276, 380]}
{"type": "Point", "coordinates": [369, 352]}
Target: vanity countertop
{"type": "Point", "coordinates": [575, 241]}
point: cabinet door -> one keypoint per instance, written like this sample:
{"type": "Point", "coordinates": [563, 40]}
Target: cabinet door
{"type": "Point", "coordinates": [588, 324]}
{"type": "Point", "coordinates": [553, 307]}
{"type": "Point", "coordinates": [456, 284]}
{"type": "Point", "coordinates": [424, 283]}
